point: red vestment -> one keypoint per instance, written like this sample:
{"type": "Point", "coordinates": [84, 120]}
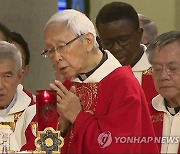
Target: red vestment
{"type": "Point", "coordinates": [116, 107]}
{"type": "Point", "coordinates": [148, 87]}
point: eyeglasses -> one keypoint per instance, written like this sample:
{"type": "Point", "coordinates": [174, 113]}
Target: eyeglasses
{"type": "Point", "coordinates": [121, 41]}
{"type": "Point", "coordinates": [170, 70]}
{"type": "Point", "coordinates": [50, 52]}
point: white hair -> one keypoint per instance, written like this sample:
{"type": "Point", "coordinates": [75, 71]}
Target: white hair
{"type": "Point", "coordinates": [8, 51]}
{"type": "Point", "coordinates": [149, 27]}
{"type": "Point", "coordinates": [77, 22]}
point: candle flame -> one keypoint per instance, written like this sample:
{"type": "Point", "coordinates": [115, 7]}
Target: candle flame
{"type": "Point", "coordinates": [46, 94]}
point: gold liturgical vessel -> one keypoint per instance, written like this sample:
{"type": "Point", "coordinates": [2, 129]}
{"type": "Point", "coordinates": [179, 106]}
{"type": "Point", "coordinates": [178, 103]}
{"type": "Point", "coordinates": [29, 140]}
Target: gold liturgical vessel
{"type": "Point", "coordinates": [6, 129]}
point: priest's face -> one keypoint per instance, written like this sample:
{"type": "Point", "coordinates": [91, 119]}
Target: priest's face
{"type": "Point", "coordinates": [166, 70]}
{"type": "Point", "coordinates": [9, 79]}
{"type": "Point", "coordinates": [66, 50]}
{"type": "Point", "coordinates": [122, 39]}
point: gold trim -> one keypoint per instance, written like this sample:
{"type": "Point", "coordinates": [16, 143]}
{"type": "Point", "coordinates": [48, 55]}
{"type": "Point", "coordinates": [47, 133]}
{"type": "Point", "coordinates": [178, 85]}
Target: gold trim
{"type": "Point", "coordinates": [157, 118]}
{"type": "Point", "coordinates": [8, 125]}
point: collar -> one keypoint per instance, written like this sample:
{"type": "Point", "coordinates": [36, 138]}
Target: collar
{"type": "Point", "coordinates": [172, 111]}
{"type": "Point", "coordinates": [84, 76]}
{"type": "Point", "coordinates": [103, 70]}
{"type": "Point", "coordinates": [143, 63]}
{"type": "Point", "coordinates": [160, 104]}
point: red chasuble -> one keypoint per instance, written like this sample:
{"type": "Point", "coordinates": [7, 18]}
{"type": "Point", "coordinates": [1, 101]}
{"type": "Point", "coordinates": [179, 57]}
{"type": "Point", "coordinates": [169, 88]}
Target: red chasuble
{"type": "Point", "coordinates": [148, 86]}
{"type": "Point", "coordinates": [112, 110]}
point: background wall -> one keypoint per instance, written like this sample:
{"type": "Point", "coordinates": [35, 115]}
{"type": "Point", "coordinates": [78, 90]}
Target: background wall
{"type": "Point", "coordinates": [165, 13]}
{"type": "Point", "coordinates": [28, 17]}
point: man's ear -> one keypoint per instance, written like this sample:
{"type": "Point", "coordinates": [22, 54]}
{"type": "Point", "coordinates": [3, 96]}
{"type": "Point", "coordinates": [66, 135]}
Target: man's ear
{"type": "Point", "coordinates": [21, 75]}
{"type": "Point", "coordinates": [26, 70]}
{"type": "Point", "coordinates": [89, 39]}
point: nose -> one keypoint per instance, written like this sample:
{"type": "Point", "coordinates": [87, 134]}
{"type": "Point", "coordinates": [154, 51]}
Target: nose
{"type": "Point", "coordinates": [165, 74]}
{"type": "Point", "coordinates": [58, 56]}
{"type": "Point", "coordinates": [116, 47]}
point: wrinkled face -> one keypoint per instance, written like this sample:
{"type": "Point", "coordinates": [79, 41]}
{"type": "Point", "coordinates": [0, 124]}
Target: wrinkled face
{"type": "Point", "coordinates": [9, 79]}
{"type": "Point", "coordinates": [167, 80]}
{"type": "Point", "coordinates": [70, 60]}
{"type": "Point", "coordinates": [123, 31]}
